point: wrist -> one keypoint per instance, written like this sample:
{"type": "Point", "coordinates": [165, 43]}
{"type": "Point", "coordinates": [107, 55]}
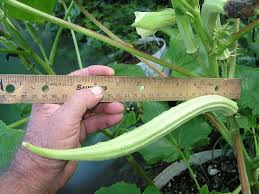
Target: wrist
{"type": "Point", "coordinates": [35, 173]}
{"type": "Point", "coordinates": [13, 182]}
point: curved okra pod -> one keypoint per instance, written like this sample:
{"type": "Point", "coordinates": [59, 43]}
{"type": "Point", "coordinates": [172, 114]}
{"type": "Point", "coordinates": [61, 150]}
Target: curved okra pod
{"type": "Point", "coordinates": [144, 135]}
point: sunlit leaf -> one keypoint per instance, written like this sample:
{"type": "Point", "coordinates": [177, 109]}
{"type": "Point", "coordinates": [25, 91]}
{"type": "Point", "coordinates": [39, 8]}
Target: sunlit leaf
{"type": "Point", "coordinates": [46, 6]}
{"type": "Point", "coordinates": [9, 142]}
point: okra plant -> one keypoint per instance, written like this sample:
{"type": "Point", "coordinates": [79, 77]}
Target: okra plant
{"type": "Point", "coordinates": [205, 40]}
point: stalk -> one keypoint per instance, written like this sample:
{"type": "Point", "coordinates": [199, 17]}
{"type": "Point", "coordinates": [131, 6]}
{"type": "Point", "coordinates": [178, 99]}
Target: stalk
{"type": "Point", "coordinates": [224, 69]}
{"type": "Point", "coordinates": [98, 36]}
{"type": "Point", "coordinates": [97, 23]}
{"type": "Point", "coordinates": [242, 156]}
{"type": "Point", "coordinates": [237, 190]}
{"type": "Point", "coordinates": [12, 30]}
{"type": "Point", "coordinates": [58, 36]}
{"type": "Point", "coordinates": [220, 126]}
{"type": "Point", "coordinates": [138, 168]}
{"type": "Point", "coordinates": [234, 57]}
{"type": "Point", "coordinates": [115, 37]}
{"type": "Point", "coordinates": [171, 137]}
{"type": "Point", "coordinates": [12, 51]}
{"type": "Point", "coordinates": [37, 40]}
{"type": "Point", "coordinates": [19, 123]}
{"type": "Point", "coordinates": [241, 164]}
{"type": "Point", "coordinates": [255, 142]}
{"type": "Point", "coordinates": [74, 39]}
{"type": "Point", "coordinates": [43, 64]}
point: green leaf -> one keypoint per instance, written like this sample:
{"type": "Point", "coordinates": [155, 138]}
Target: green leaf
{"type": "Point", "coordinates": [246, 122]}
{"type": "Point", "coordinates": [127, 70]}
{"type": "Point", "coordinates": [119, 188]}
{"type": "Point", "coordinates": [186, 137]}
{"type": "Point", "coordinates": [176, 54]}
{"type": "Point", "coordinates": [46, 6]}
{"type": "Point", "coordinates": [204, 190]}
{"type": "Point", "coordinates": [9, 142]}
{"type": "Point", "coordinates": [250, 88]}
{"type": "Point", "coordinates": [151, 190]}
{"type": "Point", "coordinates": [127, 124]}
{"type": "Point", "coordinates": [153, 109]}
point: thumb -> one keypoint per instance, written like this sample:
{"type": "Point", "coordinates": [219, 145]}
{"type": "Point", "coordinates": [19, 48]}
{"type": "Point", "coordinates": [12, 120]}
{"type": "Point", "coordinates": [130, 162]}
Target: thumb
{"type": "Point", "coordinates": [82, 101]}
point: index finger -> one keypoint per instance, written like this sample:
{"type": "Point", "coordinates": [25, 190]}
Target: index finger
{"type": "Point", "coordinates": [94, 70]}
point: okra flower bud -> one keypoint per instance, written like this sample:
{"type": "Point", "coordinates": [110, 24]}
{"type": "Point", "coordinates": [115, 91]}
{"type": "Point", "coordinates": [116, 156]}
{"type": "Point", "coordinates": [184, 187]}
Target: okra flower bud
{"type": "Point", "coordinates": [148, 23]}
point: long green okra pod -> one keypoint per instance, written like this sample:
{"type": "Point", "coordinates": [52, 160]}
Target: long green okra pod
{"type": "Point", "coordinates": [144, 135]}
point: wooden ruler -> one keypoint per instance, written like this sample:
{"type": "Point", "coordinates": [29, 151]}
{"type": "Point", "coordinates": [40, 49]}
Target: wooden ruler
{"type": "Point", "coordinates": [57, 88]}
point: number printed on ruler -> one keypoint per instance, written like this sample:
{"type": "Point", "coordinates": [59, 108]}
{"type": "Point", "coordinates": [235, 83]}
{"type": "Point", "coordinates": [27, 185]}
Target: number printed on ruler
{"type": "Point", "coordinates": [57, 88]}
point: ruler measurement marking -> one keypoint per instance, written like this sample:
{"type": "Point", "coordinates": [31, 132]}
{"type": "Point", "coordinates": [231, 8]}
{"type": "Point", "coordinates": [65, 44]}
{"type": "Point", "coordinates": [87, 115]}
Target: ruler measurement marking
{"type": "Point", "coordinates": [29, 88]}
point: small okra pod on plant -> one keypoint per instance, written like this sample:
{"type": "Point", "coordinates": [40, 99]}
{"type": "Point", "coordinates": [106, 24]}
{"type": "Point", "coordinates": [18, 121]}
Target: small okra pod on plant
{"type": "Point", "coordinates": [144, 135]}
{"type": "Point", "coordinates": [185, 28]}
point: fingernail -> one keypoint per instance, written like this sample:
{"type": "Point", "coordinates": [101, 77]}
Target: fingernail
{"type": "Point", "coordinates": [97, 90]}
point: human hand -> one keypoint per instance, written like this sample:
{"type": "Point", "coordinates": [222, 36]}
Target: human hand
{"type": "Point", "coordinates": [63, 127]}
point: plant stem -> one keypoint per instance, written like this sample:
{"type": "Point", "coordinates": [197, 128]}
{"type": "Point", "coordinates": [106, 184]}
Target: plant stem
{"type": "Point", "coordinates": [233, 61]}
{"type": "Point", "coordinates": [138, 168]}
{"type": "Point", "coordinates": [98, 36]}
{"type": "Point", "coordinates": [207, 42]}
{"type": "Point", "coordinates": [37, 40]}
{"type": "Point", "coordinates": [19, 123]}
{"type": "Point", "coordinates": [74, 39]}
{"type": "Point", "coordinates": [241, 164]}
{"type": "Point", "coordinates": [115, 37]}
{"type": "Point", "coordinates": [236, 36]}
{"type": "Point", "coordinates": [58, 36]}
{"type": "Point", "coordinates": [43, 64]}
{"type": "Point", "coordinates": [171, 137]}
{"type": "Point", "coordinates": [11, 28]}
{"type": "Point", "coordinates": [237, 190]}
{"type": "Point", "coordinates": [97, 23]}
{"type": "Point", "coordinates": [11, 51]}
{"type": "Point", "coordinates": [238, 145]}
{"type": "Point", "coordinates": [131, 160]}
{"type": "Point", "coordinates": [220, 126]}
{"type": "Point", "coordinates": [13, 31]}
{"type": "Point", "coordinates": [30, 67]}
{"type": "Point", "coordinates": [224, 69]}
{"type": "Point", "coordinates": [255, 142]}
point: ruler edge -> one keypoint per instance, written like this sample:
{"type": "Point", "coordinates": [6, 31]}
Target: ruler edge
{"type": "Point", "coordinates": [13, 76]}
{"type": "Point", "coordinates": [112, 76]}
